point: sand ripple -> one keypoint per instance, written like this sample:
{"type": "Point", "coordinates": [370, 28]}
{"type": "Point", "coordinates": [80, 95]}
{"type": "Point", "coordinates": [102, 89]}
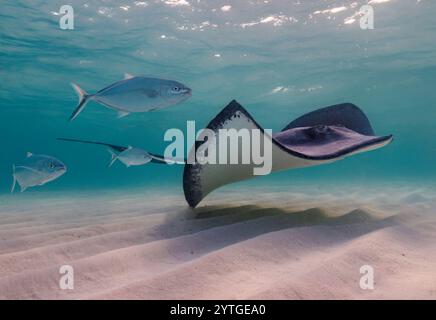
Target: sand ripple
{"type": "Point", "coordinates": [299, 244]}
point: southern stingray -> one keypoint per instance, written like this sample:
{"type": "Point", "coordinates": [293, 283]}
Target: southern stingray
{"type": "Point", "coordinates": [318, 137]}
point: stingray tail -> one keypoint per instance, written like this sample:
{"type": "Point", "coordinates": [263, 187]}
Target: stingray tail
{"type": "Point", "coordinates": [15, 179]}
{"type": "Point", "coordinates": [83, 100]}
{"type": "Point", "coordinates": [114, 157]}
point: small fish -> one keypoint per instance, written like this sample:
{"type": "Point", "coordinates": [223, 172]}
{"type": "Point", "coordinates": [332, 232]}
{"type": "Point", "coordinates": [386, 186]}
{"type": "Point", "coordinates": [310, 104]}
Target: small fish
{"type": "Point", "coordinates": [130, 156]}
{"type": "Point", "coordinates": [134, 94]}
{"type": "Point", "coordinates": [37, 170]}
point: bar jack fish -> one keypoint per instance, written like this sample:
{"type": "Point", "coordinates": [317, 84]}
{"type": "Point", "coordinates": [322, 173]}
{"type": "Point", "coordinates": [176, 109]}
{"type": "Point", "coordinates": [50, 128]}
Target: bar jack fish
{"type": "Point", "coordinates": [134, 94]}
{"type": "Point", "coordinates": [36, 170]}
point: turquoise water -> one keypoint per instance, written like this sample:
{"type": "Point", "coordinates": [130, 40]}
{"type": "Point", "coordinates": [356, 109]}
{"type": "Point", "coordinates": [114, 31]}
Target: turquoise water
{"type": "Point", "coordinates": [279, 59]}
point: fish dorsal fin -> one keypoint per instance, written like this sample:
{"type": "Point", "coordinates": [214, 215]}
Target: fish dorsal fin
{"type": "Point", "coordinates": [122, 114]}
{"type": "Point", "coordinates": [128, 76]}
{"type": "Point", "coordinates": [29, 154]}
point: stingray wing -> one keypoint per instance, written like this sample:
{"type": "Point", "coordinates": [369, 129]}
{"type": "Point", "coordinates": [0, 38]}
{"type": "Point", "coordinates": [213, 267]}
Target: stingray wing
{"type": "Point", "coordinates": [346, 114]}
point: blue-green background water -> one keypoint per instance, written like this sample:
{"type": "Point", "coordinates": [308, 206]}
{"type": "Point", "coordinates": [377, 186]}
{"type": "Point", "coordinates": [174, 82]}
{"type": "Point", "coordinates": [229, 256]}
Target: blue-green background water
{"type": "Point", "coordinates": [279, 59]}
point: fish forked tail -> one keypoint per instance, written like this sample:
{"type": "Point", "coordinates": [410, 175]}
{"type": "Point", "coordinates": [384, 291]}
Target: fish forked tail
{"type": "Point", "coordinates": [83, 100]}
{"type": "Point", "coordinates": [15, 179]}
{"type": "Point", "coordinates": [114, 157]}
{"type": "Point", "coordinates": [14, 182]}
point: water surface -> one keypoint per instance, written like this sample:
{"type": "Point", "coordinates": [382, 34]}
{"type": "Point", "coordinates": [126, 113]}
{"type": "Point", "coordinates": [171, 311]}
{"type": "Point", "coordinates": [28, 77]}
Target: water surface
{"type": "Point", "coordinates": [279, 59]}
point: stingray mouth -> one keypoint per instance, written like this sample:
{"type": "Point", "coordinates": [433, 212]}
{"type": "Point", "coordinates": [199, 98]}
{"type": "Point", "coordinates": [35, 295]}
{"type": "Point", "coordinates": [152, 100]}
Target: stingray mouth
{"type": "Point", "coordinates": [331, 143]}
{"type": "Point", "coordinates": [316, 135]}
{"type": "Point", "coordinates": [322, 142]}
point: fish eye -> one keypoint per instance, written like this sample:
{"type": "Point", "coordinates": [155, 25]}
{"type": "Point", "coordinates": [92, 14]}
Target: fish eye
{"type": "Point", "coordinates": [176, 88]}
{"type": "Point", "coordinates": [51, 165]}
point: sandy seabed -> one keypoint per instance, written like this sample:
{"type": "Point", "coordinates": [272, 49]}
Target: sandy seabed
{"type": "Point", "coordinates": [264, 243]}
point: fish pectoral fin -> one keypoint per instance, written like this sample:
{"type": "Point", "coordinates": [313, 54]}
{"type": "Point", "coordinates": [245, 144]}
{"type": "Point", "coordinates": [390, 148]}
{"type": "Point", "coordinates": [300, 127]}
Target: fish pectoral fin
{"type": "Point", "coordinates": [128, 76]}
{"type": "Point", "coordinates": [122, 114]}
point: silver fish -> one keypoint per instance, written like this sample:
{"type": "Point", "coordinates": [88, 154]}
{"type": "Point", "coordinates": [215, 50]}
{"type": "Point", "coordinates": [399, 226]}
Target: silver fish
{"type": "Point", "coordinates": [131, 157]}
{"type": "Point", "coordinates": [36, 171]}
{"type": "Point", "coordinates": [134, 94]}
